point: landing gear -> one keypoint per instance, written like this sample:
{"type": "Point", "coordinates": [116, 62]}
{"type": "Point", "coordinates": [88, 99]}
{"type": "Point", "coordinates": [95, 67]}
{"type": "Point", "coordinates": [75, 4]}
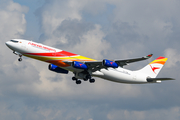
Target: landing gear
{"type": "Point", "coordinates": [20, 59]}
{"type": "Point", "coordinates": [20, 55]}
{"type": "Point", "coordinates": [92, 80]}
{"type": "Point", "coordinates": [78, 81]}
{"type": "Point", "coordinates": [87, 77]}
{"type": "Point", "coordinates": [84, 75]}
{"type": "Point", "coordinates": [74, 78]}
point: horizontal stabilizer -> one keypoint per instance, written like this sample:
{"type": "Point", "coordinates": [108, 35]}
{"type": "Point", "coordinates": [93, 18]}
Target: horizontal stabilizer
{"type": "Point", "coordinates": [158, 79]}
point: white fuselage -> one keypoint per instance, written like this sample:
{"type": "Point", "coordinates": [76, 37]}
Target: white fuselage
{"type": "Point", "coordinates": [30, 49]}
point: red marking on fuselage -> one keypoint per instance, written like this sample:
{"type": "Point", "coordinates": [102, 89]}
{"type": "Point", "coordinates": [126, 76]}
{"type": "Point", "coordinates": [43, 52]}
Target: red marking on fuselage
{"type": "Point", "coordinates": [58, 54]}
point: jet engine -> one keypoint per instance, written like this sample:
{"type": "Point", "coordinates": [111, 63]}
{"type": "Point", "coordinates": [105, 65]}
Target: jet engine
{"type": "Point", "coordinates": [109, 63]}
{"type": "Point", "coordinates": [79, 65]}
{"type": "Point", "coordinates": [57, 69]}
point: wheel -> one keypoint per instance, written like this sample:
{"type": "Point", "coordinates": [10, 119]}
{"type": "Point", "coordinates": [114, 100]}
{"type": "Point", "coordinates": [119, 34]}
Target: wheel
{"type": "Point", "coordinates": [74, 78]}
{"type": "Point", "coordinates": [87, 77]}
{"type": "Point", "coordinates": [20, 59]}
{"type": "Point", "coordinates": [78, 82]}
{"type": "Point", "coordinates": [92, 80]}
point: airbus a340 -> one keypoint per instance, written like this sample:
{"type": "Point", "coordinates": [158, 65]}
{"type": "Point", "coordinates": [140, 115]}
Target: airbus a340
{"type": "Point", "coordinates": [86, 68]}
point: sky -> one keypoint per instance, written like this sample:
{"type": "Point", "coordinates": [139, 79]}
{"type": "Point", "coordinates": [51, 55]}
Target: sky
{"type": "Point", "coordinates": [103, 29]}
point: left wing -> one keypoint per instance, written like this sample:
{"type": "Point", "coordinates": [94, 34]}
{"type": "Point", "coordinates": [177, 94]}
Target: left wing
{"type": "Point", "coordinates": [125, 62]}
{"type": "Point", "coordinates": [97, 65]}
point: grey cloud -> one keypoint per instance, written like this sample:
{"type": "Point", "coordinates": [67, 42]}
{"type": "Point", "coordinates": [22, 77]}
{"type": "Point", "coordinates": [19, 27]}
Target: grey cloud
{"type": "Point", "coordinates": [29, 91]}
{"type": "Point", "coordinates": [71, 30]}
{"type": "Point", "coordinates": [153, 26]}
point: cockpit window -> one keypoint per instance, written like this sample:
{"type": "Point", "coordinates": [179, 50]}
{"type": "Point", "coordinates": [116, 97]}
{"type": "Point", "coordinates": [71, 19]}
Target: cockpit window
{"type": "Point", "coordinates": [15, 41]}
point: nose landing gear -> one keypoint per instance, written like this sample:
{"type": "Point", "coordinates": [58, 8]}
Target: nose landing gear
{"type": "Point", "coordinates": [20, 59]}
{"type": "Point", "coordinates": [20, 55]}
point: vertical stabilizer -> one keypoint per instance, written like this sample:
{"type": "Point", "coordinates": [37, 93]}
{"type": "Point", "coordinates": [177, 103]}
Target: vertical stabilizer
{"type": "Point", "coordinates": [153, 68]}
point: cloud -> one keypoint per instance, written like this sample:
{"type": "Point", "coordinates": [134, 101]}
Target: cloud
{"type": "Point", "coordinates": [148, 23]}
{"type": "Point", "coordinates": [52, 17]}
{"type": "Point", "coordinates": [12, 19]}
{"type": "Point", "coordinates": [93, 41]}
{"type": "Point", "coordinates": [133, 30]}
{"type": "Point", "coordinates": [12, 25]}
{"type": "Point", "coordinates": [165, 114]}
{"type": "Point", "coordinates": [174, 57]}
{"type": "Point", "coordinates": [30, 91]}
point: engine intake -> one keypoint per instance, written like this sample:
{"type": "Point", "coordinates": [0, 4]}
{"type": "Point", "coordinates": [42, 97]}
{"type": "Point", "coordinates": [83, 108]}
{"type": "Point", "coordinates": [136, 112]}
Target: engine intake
{"type": "Point", "coordinates": [57, 69]}
{"type": "Point", "coordinates": [79, 65]}
{"type": "Point", "coordinates": [109, 63]}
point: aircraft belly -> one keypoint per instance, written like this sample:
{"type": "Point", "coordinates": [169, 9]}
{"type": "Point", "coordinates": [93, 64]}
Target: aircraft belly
{"type": "Point", "coordinates": [121, 76]}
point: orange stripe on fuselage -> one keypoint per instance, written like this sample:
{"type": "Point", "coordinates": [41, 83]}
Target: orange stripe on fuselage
{"type": "Point", "coordinates": [58, 63]}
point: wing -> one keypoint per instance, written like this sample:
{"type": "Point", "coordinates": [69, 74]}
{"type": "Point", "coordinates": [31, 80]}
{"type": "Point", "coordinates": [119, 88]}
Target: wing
{"type": "Point", "coordinates": [125, 62]}
{"type": "Point", "coordinates": [97, 65]}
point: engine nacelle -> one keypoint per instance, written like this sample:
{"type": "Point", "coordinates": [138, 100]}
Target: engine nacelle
{"type": "Point", "coordinates": [109, 63]}
{"type": "Point", "coordinates": [79, 65]}
{"type": "Point", "coordinates": [57, 69]}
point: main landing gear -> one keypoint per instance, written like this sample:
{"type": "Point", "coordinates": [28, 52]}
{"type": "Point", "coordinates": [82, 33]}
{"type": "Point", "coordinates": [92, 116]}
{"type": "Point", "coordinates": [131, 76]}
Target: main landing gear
{"type": "Point", "coordinates": [91, 80]}
{"type": "Point", "coordinates": [77, 81]}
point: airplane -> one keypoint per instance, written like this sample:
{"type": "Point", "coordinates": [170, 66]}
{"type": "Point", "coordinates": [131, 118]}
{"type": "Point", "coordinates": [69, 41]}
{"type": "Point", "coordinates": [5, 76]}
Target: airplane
{"type": "Point", "coordinates": [84, 68]}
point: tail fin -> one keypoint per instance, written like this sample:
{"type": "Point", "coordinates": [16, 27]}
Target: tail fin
{"type": "Point", "coordinates": [153, 68]}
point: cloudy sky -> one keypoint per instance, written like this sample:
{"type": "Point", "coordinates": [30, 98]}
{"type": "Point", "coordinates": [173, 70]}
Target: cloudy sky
{"type": "Point", "coordinates": [112, 29]}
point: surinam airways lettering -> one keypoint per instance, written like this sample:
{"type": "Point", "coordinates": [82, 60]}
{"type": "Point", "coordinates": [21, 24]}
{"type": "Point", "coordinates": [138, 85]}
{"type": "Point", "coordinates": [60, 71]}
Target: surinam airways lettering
{"type": "Point", "coordinates": [41, 46]}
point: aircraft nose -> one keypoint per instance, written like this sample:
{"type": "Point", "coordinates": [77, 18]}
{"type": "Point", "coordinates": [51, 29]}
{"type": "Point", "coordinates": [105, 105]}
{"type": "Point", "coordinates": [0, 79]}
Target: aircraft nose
{"type": "Point", "coordinates": [7, 43]}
